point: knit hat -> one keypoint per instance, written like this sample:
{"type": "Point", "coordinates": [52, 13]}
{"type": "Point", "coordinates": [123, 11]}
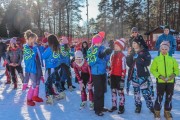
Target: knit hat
{"type": "Point", "coordinates": [45, 40]}
{"type": "Point", "coordinates": [97, 39]}
{"type": "Point", "coordinates": [166, 27]}
{"type": "Point", "coordinates": [120, 43]}
{"type": "Point", "coordinates": [165, 44]}
{"type": "Point", "coordinates": [78, 54]}
{"type": "Point", "coordinates": [64, 40]}
{"type": "Point", "coordinates": [137, 41]}
{"type": "Point", "coordinates": [102, 34]}
{"type": "Point", "coordinates": [134, 29]}
{"type": "Point", "coordinates": [13, 40]}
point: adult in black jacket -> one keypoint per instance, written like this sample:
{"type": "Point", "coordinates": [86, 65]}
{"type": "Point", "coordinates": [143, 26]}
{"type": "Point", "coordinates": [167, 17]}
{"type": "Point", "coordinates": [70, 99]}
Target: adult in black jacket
{"type": "Point", "coordinates": [138, 73]}
{"type": "Point", "coordinates": [137, 37]}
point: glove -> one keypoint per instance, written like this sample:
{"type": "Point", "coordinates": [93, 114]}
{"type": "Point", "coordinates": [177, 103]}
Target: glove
{"type": "Point", "coordinates": [42, 79]}
{"type": "Point", "coordinates": [162, 77]}
{"type": "Point", "coordinates": [102, 55]}
{"type": "Point", "coordinates": [108, 51]}
{"type": "Point", "coordinates": [4, 64]}
{"type": "Point", "coordinates": [81, 85]}
{"type": "Point", "coordinates": [89, 86]}
{"type": "Point", "coordinates": [171, 77]}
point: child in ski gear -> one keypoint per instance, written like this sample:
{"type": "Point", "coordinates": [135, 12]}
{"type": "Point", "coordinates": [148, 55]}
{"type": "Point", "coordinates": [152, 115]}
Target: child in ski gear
{"type": "Point", "coordinates": [117, 75]}
{"type": "Point", "coordinates": [32, 68]}
{"type": "Point", "coordinates": [14, 58]}
{"type": "Point", "coordinates": [83, 74]}
{"type": "Point", "coordinates": [65, 64]}
{"type": "Point", "coordinates": [97, 59]}
{"type": "Point", "coordinates": [166, 36]}
{"type": "Point", "coordinates": [164, 67]}
{"type": "Point", "coordinates": [84, 48]}
{"type": "Point", "coordinates": [52, 62]}
{"type": "Point", "coordinates": [139, 74]}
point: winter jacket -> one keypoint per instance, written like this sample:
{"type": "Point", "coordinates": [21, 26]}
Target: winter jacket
{"type": "Point", "coordinates": [14, 56]}
{"type": "Point", "coordinates": [30, 58]}
{"type": "Point", "coordinates": [98, 64]}
{"type": "Point", "coordinates": [3, 47]}
{"type": "Point", "coordinates": [52, 59]}
{"type": "Point", "coordinates": [83, 69]}
{"type": "Point", "coordinates": [165, 66]}
{"type": "Point", "coordinates": [171, 40]}
{"type": "Point", "coordinates": [118, 64]}
{"type": "Point", "coordinates": [142, 61]}
{"type": "Point", "coordinates": [65, 56]}
{"type": "Point", "coordinates": [140, 39]}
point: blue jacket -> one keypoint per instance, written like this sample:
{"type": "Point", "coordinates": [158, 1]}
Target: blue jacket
{"type": "Point", "coordinates": [65, 56]}
{"type": "Point", "coordinates": [171, 40]}
{"type": "Point", "coordinates": [98, 65]}
{"type": "Point", "coordinates": [30, 58]}
{"type": "Point", "coordinates": [51, 58]}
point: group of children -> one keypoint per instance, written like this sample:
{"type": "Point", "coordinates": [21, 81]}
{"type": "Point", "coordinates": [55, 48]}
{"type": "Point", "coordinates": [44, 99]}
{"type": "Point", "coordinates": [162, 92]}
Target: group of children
{"type": "Point", "coordinates": [90, 67]}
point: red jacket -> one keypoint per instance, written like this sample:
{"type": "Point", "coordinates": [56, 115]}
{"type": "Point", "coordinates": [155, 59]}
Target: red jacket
{"type": "Point", "coordinates": [118, 64]}
{"type": "Point", "coordinates": [84, 69]}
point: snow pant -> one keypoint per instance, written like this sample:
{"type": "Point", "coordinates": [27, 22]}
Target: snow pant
{"type": "Point", "coordinates": [99, 88]}
{"type": "Point", "coordinates": [3, 56]}
{"type": "Point", "coordinates": [65, 73]}
{"type": "Point", "coordinates": [52, 78]}
{"type": "Point", "coordinates": [117, 87]}
{"type": "Point", "coordinates": [141, 84]}
{"type": "Point", "coordinates": [162, 88]}
{"type": "Point", "coordinates": [151, 88]}
{"type": "Point", "coordinates": [85, 78]}
{"type": "Point", "coordinates": [13, 73]}
{"type": "Point", "coordinates": [31, 76]}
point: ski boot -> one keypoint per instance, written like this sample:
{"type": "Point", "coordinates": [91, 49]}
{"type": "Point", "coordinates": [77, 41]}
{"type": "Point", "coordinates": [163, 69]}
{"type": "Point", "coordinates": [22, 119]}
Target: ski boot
{"type": "Point", "coordinates": [168, 115]}
{"type": "Point", "coordinates": [121, 110]}
{"type": "Point", "coordinates": [113, 109]}
{"type": "Point", "coordinates": [91, 106]}
{"type": "Point", "coordinates": [138, 109]}
{"type": "Point", "coordinates": [83, 105]}
{"type": "Point", "coordinates": [157, 115]}
{"type": "Point", "coordinates": [49, 100]}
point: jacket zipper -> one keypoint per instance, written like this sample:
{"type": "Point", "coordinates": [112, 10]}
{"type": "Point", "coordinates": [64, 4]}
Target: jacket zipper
{"type": "Point", "coordinates": [165, 66]}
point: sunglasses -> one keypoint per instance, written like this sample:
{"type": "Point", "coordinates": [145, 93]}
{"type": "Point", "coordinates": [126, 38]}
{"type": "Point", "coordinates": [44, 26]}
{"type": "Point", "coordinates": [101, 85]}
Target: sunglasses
{"type": "Point", "coordinates": [134, 32]}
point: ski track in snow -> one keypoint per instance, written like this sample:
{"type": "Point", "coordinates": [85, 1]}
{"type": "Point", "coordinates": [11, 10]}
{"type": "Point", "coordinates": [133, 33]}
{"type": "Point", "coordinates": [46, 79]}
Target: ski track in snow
{"type": "Point", "coordinates": [13, 104]}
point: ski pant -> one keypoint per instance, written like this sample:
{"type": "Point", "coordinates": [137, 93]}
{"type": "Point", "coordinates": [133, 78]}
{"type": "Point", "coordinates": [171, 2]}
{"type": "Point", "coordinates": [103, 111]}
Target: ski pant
{"type": "Point", "coordinates": [13, 72]}
{"type": "Point", "coordinates": [65, 73]}
{"type": "Point", "coordinates": [52, 77]}
{"type": "Point", "coordinates": [117, 87]}
{"type": "Point", "coordinates": [151, 88]}
{"type": "Point", "coordinates": [33, 78]}
{"type": "Point", "coordinates": [85, 78]}
{"type": "Point", "coordinates": [162, 88]}
{"type": "Point", "coordinates": [99, 88]}
{"type": "Point", "coordinates": [141, 84]}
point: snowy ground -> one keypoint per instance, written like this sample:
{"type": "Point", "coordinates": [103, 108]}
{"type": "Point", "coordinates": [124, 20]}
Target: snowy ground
{"type": "Point", "coordinates": [13, 104]}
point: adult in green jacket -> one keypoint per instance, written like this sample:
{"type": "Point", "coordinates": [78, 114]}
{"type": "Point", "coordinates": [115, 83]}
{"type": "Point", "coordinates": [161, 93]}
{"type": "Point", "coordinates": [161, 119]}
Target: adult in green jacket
{"type": "Point", "coordinates": [164, 68]}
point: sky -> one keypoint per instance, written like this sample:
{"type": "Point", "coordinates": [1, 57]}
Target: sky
{"type": "Point", "coordinates": [93, 10]}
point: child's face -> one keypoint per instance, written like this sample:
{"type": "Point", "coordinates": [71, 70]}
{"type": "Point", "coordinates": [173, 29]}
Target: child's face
{"type": "Point", "coordinates": [98, 44]}
{"type": "Point", "coordinates": [31, 40]}
{"type": "Point", "coordinates": [116, 48]}
{"type": "Point", "coordinates": [84, 44]}
{"type": "Point", "coordinates": [164, 51]}
{"type": "Point", "coordinates": [166, 31]}
{"type": "Point", "coordinates": [135, 45]}
{"type": "Point", "coordinates": [78, 61]}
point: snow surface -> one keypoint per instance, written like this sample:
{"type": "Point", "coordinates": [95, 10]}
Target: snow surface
{"type": "Point", "coordinates": [13, 104]}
